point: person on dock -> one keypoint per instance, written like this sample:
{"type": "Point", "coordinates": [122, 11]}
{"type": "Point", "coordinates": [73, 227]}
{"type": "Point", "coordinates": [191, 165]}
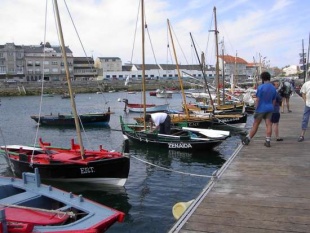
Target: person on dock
{"type": "Point", "coordinates": [305, 92]}
{"type": "Point", "coordinates": [275, 118]}
{"type": "Point", "coordinates": [285, 92]}
{"type": "Point", "coordinates": [265, 101]}
{"type": "Point", "coordinates": [161, 120]}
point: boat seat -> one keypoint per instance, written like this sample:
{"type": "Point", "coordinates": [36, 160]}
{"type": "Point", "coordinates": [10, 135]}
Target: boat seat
{"type": "Point", "coordinates": [19, 198]}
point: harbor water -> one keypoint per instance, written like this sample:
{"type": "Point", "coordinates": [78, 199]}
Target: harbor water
{"type": "Point", "coordinates": [158, 178]}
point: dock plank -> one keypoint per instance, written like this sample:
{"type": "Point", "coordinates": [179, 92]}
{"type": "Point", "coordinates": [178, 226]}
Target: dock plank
{"type": "Point", "coordinates": [261, 189]}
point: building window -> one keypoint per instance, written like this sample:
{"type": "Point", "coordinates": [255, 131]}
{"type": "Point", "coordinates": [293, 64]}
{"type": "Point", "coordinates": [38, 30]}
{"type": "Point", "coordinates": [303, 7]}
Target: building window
{"type": "Point", "coordinates": [46, 62]}
{"type": "Point", "coordinates": [54, 63]}
{"type": "Point", "coordinates": [19, 55]}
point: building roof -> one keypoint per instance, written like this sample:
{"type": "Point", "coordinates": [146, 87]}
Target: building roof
{"type": "Point", "coordinates": [126, 67]}
{"type": "Point", "coordinates": [40, 49]}
{"type": "Point", "coordinates": [232, 59]}
{"type": "Point", "coordinates": [109, 58]}
{"type": "Point", "coordinates": [147, 66]}
{"type": "Point", "coordinates": [254, 65]}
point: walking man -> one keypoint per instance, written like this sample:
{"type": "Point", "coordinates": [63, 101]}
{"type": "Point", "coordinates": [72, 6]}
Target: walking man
{"type": "Point", "coordinates": [161, 120]}
{"type": "Point", "coordinates": [305, 91]}
{"type": "Point", "coordinates": [264, 107]}
{"type": "Point", "coordinates": [275, 118]}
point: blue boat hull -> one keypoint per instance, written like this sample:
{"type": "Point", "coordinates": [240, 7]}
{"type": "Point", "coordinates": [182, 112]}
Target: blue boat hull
{"type": "Point", "coordinates": [94, 119]}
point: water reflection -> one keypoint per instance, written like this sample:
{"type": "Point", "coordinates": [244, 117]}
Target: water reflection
{"type": "Point", "coordinates": [164, 157]}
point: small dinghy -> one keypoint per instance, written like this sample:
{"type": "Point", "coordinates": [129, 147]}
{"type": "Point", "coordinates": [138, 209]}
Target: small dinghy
{"type": "Point", "coordinates": [28, 206]}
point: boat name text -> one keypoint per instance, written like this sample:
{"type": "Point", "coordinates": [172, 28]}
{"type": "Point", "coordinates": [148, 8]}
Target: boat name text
{"type": "Point", "coordinates": [86, 170]}
{"type": "Point", "coordinates": [228, 120]}
{"type": "Point", "coordinates": [179, 145]}
{"type": "Point", "coordinates": [193, 124]}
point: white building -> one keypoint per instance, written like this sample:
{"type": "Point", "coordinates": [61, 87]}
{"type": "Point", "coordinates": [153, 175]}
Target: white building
{"type": "Point", "coordinates": [291, 70]}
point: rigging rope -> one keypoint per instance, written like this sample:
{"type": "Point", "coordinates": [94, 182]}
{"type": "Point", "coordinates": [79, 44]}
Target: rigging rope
{"type": "Point", "coordinates": [42, 86]}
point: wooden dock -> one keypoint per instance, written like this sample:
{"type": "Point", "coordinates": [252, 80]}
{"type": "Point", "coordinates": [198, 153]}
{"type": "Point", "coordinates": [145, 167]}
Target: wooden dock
{"type": "Point", "coordinates": [258, 189]}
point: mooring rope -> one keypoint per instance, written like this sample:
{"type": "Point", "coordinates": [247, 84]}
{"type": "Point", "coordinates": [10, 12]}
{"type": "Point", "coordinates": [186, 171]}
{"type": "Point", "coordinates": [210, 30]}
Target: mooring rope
{"type": "Point", "coordinates": [58, 212]}
{"type": "Point", "coordinates": [167, 169]}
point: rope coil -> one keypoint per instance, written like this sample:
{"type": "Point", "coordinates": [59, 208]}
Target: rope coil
{"type": "Point", "coordinates": [71, 214]}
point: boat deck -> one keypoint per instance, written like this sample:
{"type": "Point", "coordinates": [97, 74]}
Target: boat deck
{"type": "Point", "coordinates": [258, 189]}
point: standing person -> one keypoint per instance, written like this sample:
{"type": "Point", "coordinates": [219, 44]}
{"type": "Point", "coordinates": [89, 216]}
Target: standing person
{"type": "Point", "coordinates": [265, 101]}
{"type": "Point", "coordinates": [285, 92]}
{"type": "Point", "coordinates": [161, 120]}
{"type": "Point", "coordinates": [275, 118]}
{"type": "Point", "coordinates": [293, 86]}
{"type": "Point", "coordinates": [305, 92]}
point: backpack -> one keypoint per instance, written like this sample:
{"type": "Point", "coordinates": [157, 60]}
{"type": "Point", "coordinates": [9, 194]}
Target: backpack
{"type": "Point", "coordinates": [285, 89]}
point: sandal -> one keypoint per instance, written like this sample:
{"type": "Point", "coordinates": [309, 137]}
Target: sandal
{"type": "Point", "coordinates": [301, 138]}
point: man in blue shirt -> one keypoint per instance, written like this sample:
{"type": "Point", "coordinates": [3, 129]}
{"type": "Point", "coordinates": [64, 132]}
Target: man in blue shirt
{"type": "Point", "coordinates": [265, 101]}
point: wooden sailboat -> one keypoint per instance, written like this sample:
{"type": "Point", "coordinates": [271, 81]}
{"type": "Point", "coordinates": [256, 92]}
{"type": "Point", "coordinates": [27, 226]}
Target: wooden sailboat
{"type": "Point", "coordinates": [218, 114]}
{"type": "Point", "coordinates": [179, 139]}
{"type": "Point", "coordinates": [67, 120]}
{"type": "Point", "coordinates": [74, 164]}
{"type": "Point", "coordinates": [149, 108]}
{"type": "Point", "coordinates": [196, 117]}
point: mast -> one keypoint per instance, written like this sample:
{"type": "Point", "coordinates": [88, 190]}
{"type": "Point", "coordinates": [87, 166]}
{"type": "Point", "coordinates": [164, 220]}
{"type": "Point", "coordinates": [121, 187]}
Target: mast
{"type": "Point", "coordinates": [303, 61]}
{"type": "Point", "coordinates": [143, 61]}
{"type": "Point", "coordinates": [64, 54]}
{"type": "Point", "coordinates": [179, 74]}
{"type": "Point", "coordinates": [307, 61]}
{"type": "Point", "coordinates": [235, 72]}
{"type": "Point", "coordinates": [217, 59]}
{"type": "Point", "coordinates": [202, 64]}
{"type": "Point", "coordinates": [223, 71]}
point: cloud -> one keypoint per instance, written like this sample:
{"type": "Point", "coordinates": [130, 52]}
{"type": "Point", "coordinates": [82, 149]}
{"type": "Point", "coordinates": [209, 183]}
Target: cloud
{"type": "Point", "coordinates": [273, 28]}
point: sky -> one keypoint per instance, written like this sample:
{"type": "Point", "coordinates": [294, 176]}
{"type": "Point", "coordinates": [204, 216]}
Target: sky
{"type": "Point", "coordinates": [268, 30]}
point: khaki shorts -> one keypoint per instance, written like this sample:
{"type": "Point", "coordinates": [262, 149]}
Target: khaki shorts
{"type": "Point", "coordinates": [263, 115]}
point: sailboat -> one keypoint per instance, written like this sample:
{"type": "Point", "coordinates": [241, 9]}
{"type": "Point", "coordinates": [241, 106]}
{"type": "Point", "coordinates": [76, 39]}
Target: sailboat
{"type": "Point", "coordinates": [67, 120]}
{"type": "Point", "coordinates": [73, 164]}
{"type": "Point", "coordinates": [179, 139]}
{"type": "Point", "coordinates": [149, 108]}
{"type": "Point", "coordinates": [217, 116]}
